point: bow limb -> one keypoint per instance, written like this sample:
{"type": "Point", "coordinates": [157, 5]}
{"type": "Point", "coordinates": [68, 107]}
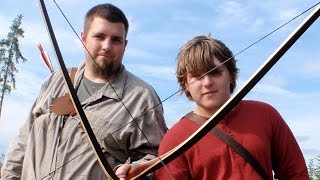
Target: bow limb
{"type": "Point", "coordinates": [84, 121]}
{"type": "Point", "coordinates": [155, 164]}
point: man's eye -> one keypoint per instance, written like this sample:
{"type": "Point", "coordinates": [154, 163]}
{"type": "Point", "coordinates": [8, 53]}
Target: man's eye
{"type": "Point", "coordinates": [117, 40]}
{"type": "Point", "coordinates": [99, 37]}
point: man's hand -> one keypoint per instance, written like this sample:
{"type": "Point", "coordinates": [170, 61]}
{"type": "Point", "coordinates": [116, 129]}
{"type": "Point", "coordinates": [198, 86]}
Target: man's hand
{"type": "Point", "coordinates": [122, 171]}
{"type": "Point", "coordinates": [129, 171]}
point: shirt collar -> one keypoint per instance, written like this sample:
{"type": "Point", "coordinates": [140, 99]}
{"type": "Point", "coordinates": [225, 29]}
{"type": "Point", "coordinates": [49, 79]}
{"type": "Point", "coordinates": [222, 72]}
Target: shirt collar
{"type": "Point", "coordinates": [113, 89]}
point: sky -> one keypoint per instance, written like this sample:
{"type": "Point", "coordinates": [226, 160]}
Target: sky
{"type": "Point", "coordinates": [157, 30]}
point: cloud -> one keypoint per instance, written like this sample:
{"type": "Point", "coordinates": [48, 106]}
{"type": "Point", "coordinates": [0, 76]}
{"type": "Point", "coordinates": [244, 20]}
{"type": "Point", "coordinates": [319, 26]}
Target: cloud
{"type": "Point", "coordinates": [186, 16]}
{"type": "Point", "coordinates": [4, 24]}
{"type": "Point", "coordinates": [311, 68]}
{"type": "Point", "coordinates": [35, 32]}
{"type": "Point", "coordinates": [13, 115]}
{"type": "Point", "coordinates": [11, 121]}
{"type": "Point", "coordinates": [157, 72]}
{"type": "Point", "coordinates": [285, 14]}
{"type": "Point", "coordinates": [175, 108]}
{"type": "Point", "coordinates": [229, 11]}
{"type": "Point", "coordinates": [20, 100]}
{"type": "Point", "coordinates": [271, 85]}
{"type": "Point", "coordinates": [28, 84]}
{"type": "Point", "coordinates": [138, 53]}
{"type": "Point", "coordinates": [306, 130]}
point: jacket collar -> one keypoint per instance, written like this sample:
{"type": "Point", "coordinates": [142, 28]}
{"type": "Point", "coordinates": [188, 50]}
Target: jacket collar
{"type": "Point", "coordinates": [117, 83]}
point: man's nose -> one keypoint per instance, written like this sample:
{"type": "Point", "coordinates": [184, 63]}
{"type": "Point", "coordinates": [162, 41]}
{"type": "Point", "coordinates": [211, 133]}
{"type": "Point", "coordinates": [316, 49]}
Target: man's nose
{"type": "Point", "coordinates": [106, 45]}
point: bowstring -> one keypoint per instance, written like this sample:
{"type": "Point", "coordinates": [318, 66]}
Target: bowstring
{"type": "Point", "coordinates": [176, 92]}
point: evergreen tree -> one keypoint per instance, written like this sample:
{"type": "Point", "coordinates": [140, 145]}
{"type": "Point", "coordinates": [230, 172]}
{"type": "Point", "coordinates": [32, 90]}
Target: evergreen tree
{"type": "Point", "coordinates": [2, 156]}
{"type": "Point", "coordinates": [314, 168]}
{"type": "Point", "coordinates": [10, 55]}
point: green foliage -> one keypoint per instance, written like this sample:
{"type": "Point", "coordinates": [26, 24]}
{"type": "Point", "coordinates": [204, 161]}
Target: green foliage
{"type": "Point", "coordinates": [314, 168]}
{"type": "Point", "coordinates": [10, 55]}
{"type": "Point", "coordinates": [2, 156]}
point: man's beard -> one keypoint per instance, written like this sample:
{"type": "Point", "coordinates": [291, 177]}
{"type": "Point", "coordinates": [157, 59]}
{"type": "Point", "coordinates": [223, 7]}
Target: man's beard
{"type": "Point", "coordinates": [110, 70]}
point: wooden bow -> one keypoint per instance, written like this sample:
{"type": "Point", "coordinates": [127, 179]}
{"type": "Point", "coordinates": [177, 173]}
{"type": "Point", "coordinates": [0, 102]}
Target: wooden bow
{"type": "Point", "coordinates": [84, 121]}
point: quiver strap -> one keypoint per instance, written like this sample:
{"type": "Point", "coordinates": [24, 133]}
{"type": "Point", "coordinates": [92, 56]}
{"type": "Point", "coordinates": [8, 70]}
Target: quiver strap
{"type": "Point", "coordinates": [237, 147]}
{"type": "Point", "coordinates": [63, 105]}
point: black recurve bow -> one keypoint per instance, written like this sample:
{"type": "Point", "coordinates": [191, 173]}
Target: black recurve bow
{"type": "Point", "coordinates": [235, 99]}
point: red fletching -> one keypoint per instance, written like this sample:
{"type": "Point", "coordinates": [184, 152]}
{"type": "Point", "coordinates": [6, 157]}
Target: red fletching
{"type": "Point", "coordinates": [45, 58]}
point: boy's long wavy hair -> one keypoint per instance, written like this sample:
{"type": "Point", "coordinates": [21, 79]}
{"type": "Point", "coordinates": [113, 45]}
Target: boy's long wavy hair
{"type": "Point", "coordinates": [197, 58]}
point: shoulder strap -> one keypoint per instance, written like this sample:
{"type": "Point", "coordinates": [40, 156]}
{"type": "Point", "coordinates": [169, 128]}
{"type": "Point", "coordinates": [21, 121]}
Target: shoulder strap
{"type": "Point", "coordinates": [72, 74]}
{"type": "Point", "coordinates": [63, 105]}
{"type": "Point", "coordinates": [237, 147]}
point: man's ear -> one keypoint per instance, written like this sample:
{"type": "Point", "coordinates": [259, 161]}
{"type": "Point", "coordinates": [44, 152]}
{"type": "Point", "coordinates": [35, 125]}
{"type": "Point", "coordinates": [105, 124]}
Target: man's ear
{"type": "Point", "coordinates": [125, 45]}
{"type": "Point", "coordinates": [83, 37]}
{"type": "Point", "coordinates": [126, 42]}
